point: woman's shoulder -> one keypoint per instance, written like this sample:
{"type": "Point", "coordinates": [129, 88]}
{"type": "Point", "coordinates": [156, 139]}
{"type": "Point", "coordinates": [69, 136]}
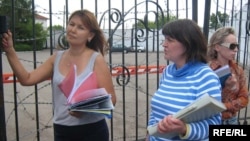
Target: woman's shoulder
{"type": "Point", "coordinates": [204, 69]}
{"type": "Point", "coordinates": [199, 66]}
{"type": "Point", "coordinates": [235, 66]}
{"type": "Point", "coordinates": [214, 64]}
{"type": "Point", "coordinates": [58, 52]}
{"type": "Point", "coordinates": [99, 58]}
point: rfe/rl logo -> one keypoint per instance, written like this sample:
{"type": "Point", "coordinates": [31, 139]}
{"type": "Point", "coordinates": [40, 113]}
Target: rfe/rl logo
{"type": "Point", "coordinates": [229, 132]}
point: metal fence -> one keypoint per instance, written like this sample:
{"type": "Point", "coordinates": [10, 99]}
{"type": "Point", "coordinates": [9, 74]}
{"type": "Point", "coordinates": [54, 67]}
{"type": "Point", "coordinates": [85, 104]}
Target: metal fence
{"type": "Point", "coordinates": [26, 112]}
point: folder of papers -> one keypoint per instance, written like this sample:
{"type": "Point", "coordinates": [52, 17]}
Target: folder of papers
{"type": "Point", "coordinates": [223, 73]}
{"type": "Point", "coordinates": [86, 97]}
{"type": "Point", "coordinates": [202, 108]}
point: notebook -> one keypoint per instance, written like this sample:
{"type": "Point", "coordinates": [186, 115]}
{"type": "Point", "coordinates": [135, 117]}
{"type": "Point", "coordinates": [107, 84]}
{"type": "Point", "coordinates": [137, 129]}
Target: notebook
{"type": "Point", "coordinates": [202, 108]}
{"type": "Point", "coordinates": [86, 96]}
{"type": "Point", "coordinates": [223, 73]}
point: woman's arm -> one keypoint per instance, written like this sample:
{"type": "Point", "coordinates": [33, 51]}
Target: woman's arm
{"type": "Point", "coordinates": [240, 93]}
{"type": "Point", "coordinates": [104, 77]}
{"type": "Point", "coordinates": [26, 78]}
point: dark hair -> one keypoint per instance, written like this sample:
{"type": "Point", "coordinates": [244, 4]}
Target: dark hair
{"type": "Point", "coordinates": [98, 43]}
{"type": "Point", "coordinates": [189, 34]}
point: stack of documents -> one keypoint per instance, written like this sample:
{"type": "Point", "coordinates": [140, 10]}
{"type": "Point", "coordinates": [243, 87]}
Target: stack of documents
{"type": "Point", "coordinates": [86, 97]}
{"type": "Point", "coordinates": [223, 73]}
{"type": "Point", "coordinates": [202, 108]}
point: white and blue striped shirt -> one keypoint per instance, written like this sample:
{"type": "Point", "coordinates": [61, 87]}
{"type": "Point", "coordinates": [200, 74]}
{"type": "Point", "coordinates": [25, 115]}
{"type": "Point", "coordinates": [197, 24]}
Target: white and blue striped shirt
{"type": "Point", "coordinates": [180, 87]}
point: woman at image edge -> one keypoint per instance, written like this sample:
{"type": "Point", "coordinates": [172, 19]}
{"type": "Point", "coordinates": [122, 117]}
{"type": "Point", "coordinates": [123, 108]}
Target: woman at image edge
{"type": "Point", "coordinates": [86, 50]}
{"type": "Point", "coordinates": [183, 81]}
{"type": "Point", "coordinates": [223, 47]}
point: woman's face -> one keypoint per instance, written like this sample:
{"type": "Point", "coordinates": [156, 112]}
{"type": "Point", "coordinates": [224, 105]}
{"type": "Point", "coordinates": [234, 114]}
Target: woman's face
{"type": "Point", "coordinates": [174, 51]}
{"type": "Point", "coordinates": [224, 50]}
{"type": "Point", "coordinates": [77, 33]}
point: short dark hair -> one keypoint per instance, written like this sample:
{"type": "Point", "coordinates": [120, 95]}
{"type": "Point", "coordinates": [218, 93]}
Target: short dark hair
{"type": "Point", "coordinates": [189, 34]}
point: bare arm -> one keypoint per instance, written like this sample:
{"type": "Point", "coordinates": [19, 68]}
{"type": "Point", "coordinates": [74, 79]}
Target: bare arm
{"type": "Point", "coordinates": [43, 72]}
{"type": "Point", "coordinates": [104, 77]}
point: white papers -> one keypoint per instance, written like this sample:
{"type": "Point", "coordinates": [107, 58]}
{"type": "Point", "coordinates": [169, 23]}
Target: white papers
{"type": "Point", "coordinates": [100, 103]}
{"type": "Point", "coordinates": [223, 73]}
{"type": "Point", "coordinates": [86, 97]}
{"type": "Point", "coordinates": [75, 86]}
{"type": "Point", "coordinates": [204, 107]}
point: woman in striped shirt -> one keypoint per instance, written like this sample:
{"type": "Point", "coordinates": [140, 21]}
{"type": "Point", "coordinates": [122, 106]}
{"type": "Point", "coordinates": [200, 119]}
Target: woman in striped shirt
{"type": "Point", "coordinates": [187, 78]}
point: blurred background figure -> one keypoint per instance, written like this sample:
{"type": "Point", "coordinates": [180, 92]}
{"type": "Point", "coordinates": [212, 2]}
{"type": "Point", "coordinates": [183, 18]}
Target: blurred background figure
{"type": "Point", "coordinates": [223, 47]}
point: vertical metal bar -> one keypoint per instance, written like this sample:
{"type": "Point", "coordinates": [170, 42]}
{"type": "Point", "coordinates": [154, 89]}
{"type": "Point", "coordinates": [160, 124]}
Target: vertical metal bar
{"type": "Point", "coordinates": [232, 17]}
{"type": "Point", "coordinates": [50, 30]}
{"type": "Point", "coordinates": [186, 8]}
{"type": "Point", "coordinates": [147, 96]}
{"type": "Point", "coordinates": [177, 9]}
{"type": "Point", "coordinates": [245, 47]}
{"type": "Point", "coordinates": [168, 16]}
{"type": "Point", "coordinates": [147, 54]}
{"type": "Point", "coordinates": [159, 25]}
{"type": "Point", "coordinates": [123, 87]}
{"type": "Point", "coordinates": [239, 32]}
{"type": "Point", "coordinates": [67, 11]}
{"type": "Point", "coordinates": [136, 75]}
{"type": "Point", "coordinates": [247, 53]}
{"type": "Point", "coordinates": [224, 14]}
{"type": "Point", "coordinates": [195, 11]}
{"type": "Point", "coordinates": [217, 6]}
{"type": "Point", "coordinates": [2, 112]}
{"type": "Point", "coordinates": [110, 31]}
{"type": "Point", "coordinates": [35, 66]}
{"type": "Point", "coordinates": [206, 18]}
{"type": "Point", "coordinates": [96, 10]}
{"type": "Point", "coordinates": [14, 77]}
{"type": "Point", "coordinates": [81, 4]}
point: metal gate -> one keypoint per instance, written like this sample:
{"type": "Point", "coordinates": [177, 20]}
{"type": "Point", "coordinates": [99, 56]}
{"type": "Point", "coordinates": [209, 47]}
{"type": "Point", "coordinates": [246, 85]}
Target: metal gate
{"type": "Point", "coordinates": [26, 112]}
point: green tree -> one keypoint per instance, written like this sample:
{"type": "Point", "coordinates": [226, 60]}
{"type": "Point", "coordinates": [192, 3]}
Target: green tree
{"type": "Point", "coordinates": [22, 11]}
{"type": "Point", "coordinates": [23, 24]}
{"type": "Point", "coordinates": [218, 20]}
{"type": "Point", "coordinates": [25, 33]}
{"type": "Point", "coordinates": [56, 27]}
{"type": "Point", "coordinates": [153, 24]}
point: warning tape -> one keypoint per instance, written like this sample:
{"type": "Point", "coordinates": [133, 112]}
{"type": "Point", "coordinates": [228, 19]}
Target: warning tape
{"type": "Point", "coordinates": [8, 78]}
{"type": "Point", "coordinates": [137, 70]}
{"type": "Point", "coordinates": [116, 71]}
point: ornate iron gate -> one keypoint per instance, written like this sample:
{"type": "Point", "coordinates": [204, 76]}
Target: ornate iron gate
{"type": "Point", "coordinates": [26, 112]}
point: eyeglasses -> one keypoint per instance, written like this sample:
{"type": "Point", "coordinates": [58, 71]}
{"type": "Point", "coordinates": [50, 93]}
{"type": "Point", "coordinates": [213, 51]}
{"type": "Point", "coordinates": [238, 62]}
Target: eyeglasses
{"type": "Point", "coordinates": [231, 46]}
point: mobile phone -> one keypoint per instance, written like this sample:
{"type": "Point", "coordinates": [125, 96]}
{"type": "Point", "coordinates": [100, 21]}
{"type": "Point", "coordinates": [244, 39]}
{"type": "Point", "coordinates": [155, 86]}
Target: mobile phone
{"type": "Point", "coordinates": [3, 24]}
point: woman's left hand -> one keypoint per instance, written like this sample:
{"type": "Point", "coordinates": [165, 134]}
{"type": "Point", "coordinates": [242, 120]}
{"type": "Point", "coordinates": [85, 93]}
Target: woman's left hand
{"type": "Point", "coordinates": [75, 114]}
{"type": "Point", "coordinates": [171, 124]}
{"type": "Point", "coordinates": [231, 82]}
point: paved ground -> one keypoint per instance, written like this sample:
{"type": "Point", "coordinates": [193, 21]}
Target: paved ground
{"type": "Point", "coordinates": [130, 114]}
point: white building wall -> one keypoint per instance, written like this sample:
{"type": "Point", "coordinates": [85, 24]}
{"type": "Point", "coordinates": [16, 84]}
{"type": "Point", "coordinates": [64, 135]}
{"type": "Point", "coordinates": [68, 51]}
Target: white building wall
{"type": "Point", "coordinates": [244, 53]}
{"type": "Point", "coordinates": [43, 22]}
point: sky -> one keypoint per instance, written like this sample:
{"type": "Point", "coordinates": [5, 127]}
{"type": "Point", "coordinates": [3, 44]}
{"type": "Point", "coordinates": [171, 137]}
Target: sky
{"type": "Point", "coordinates": [58, 8]}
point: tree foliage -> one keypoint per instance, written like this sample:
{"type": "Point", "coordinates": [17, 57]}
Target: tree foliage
{"type": "Point", "coordinates": [23, 24]}
{"type": "Point", "coordinates": [56, 27]}
{"type": "Point", "coordinates": [160, 20]}
{"type": "Point", "coordinates": [218, 20]}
